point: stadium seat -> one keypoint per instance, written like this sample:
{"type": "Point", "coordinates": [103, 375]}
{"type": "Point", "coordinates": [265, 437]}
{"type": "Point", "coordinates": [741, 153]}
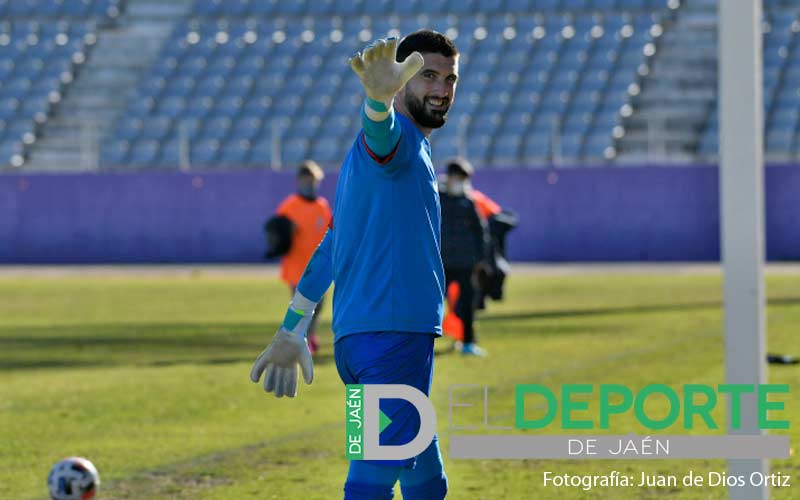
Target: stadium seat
{"type": "Point", "coordinates": [36, 61]}
{"type": "Point", "coordinates": [597, 145]}
{"type": "Point", "coordinates": [506, 150]}
{"type": "Point", "coordinates": [536, 148]}
{"type": "Point", "coordinates": [529, 67]}
{"type": "Point", "coordinates": [234, 153]}
{"type": "Point", "coordinates": [144, 153]}
{"type": "Point", "coordinates": [478, 148]}
{"type": "Point", "coordinates": [204, 152]}
{"type": "Point", "coordinates": [114, 153]}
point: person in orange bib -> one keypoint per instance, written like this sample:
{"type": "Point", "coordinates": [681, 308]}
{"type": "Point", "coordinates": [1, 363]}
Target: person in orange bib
{"type": "Point", "coordinates": [311, 216]}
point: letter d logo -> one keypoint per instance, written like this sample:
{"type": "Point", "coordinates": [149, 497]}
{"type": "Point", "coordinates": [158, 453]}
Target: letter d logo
{"type": "Point", "coordinates": [374, 421]}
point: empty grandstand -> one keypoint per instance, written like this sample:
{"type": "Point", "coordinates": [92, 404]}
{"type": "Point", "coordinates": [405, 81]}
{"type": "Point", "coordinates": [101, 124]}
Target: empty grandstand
{"type": "Point", "coordinates": [110, 84]}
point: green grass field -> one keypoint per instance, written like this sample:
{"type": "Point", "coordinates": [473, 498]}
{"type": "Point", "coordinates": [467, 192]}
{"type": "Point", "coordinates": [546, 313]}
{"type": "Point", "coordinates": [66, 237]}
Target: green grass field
{"type": "Point", "coordinates": [148, 377]}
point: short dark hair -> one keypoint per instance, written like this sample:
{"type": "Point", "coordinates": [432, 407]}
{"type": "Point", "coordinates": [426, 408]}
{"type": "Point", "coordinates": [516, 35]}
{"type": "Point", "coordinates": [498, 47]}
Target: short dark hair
{"type": "Point", "coordinates": [425, 41]}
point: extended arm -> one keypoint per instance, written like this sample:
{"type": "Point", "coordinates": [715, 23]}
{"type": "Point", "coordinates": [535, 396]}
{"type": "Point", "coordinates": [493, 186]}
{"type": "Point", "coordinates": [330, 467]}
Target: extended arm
{"type": "Point", "coordinates": [318, 275]}
{"type": "Point", "coordinates": [288, 348]}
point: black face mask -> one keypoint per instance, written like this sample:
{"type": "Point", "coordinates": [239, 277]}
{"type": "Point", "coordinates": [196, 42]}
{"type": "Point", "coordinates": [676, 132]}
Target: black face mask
{"type": "Point", "coordinates": [307, 192]}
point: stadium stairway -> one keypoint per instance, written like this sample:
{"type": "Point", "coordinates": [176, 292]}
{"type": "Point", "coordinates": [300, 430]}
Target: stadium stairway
{"type": "Point", "coordinates": [124, 50]}
{"type": "Point", "coordinates": [679, 90]}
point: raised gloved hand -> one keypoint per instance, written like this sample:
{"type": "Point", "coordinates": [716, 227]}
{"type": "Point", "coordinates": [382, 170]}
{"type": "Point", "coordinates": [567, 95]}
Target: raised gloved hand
{"type": "Point", "coordinates": [381, 75]}
{"type": "Point", "coordinates": [288, 348]}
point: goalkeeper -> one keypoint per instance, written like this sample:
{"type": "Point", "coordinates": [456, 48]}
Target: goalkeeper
{"type": "Point", "coordinates": [383, 251]}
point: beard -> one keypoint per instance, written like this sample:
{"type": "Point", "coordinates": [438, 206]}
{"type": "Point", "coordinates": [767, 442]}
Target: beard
{"type": "Point", "coordinates": [430, 118]}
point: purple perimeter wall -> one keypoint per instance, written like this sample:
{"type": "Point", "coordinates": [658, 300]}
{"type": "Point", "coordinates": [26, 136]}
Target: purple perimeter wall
{"type": "Point", "coordinates": [580, 214]}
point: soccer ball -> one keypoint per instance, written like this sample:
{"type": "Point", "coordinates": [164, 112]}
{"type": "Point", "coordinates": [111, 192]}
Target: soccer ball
{"type": "Point", "coordinates": [73, 478]}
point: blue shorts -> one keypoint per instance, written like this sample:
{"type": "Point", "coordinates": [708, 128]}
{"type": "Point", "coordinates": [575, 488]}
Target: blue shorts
{"type": "Point", "coordinates": [389, 358]}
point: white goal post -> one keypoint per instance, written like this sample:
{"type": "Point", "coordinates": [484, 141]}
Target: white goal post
{"type": "Point", "coordinates": [741, 148]}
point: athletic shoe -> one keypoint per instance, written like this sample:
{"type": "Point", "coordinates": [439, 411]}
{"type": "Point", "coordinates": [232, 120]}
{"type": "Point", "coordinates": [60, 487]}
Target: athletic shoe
{"type": "Point", "coordinates": [473, 349]}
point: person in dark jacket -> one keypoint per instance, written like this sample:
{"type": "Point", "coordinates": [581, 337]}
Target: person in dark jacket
{"type": "Point", "coordinates": [464, 245]}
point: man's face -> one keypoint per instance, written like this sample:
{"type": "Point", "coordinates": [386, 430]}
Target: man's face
{"type": "Point", "coordinates": [456, 184]}
{"type": "Point", "coordinates": [307, 184]}
{"type": "Point", "coordinates": [429, 94]}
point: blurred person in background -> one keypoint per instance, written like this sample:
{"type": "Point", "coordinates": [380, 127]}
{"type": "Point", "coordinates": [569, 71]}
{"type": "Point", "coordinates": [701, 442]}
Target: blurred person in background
{"type": "Point", "coordinates": [465, 248]}
{"type": "Point", "coordinates": [306, 216]}
{"type": "Point", "coordinates": [499, 222]}
{"type": "Point", "coordinates": [490, 278]}
{"type": "Point", "coordinates": [487, 207]}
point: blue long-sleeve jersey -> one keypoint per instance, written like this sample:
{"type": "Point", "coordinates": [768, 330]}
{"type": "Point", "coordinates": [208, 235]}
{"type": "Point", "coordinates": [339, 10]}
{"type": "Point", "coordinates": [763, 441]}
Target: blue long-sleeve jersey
{"type": "Point", "coordinates": [384, 245]}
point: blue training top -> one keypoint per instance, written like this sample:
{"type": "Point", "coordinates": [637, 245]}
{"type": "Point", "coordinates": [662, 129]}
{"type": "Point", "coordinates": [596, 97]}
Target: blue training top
{"type": "Point", "coordinates": [386, 256]}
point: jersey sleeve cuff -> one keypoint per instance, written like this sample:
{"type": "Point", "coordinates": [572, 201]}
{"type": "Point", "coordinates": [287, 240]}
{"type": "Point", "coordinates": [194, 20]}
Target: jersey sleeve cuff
{"type": "Point", "coordinates": [376, 158]}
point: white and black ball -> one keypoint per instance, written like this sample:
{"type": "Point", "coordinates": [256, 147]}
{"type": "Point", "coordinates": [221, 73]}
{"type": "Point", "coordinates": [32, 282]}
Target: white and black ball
{"type": "Point", "coordinates": [73, 478]}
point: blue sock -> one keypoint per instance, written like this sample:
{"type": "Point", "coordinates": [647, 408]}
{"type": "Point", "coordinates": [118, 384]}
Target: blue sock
{"type": "Point", "coordinates": [427, 480]}
{"type": "Point", "coordinates": [366, 481]}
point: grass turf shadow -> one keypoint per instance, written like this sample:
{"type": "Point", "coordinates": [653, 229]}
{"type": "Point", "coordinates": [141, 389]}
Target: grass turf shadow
{"type": "Point", "coordinates": [606, 311]}
{"type": "Point", "coordinates": [136, 344]}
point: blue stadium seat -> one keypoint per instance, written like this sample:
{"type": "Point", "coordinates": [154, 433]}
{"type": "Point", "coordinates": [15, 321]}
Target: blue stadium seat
{"type": "Point", "coordinates": [603, 5]}
{"type": "Point", "coordinates": [305, 126]}
{"type": "Point", "coordinates": [263, 8]}
{"type": "Point", "coordinates": [170, 154]}
{"type": "Point", "coordinates": [20, 8]}
{"type": "Point", "coordinates": [172, 106]}
{"type": "Point", "coordinates": [780, 140]}
{"type": "Point", "coordinates": [597, 144]}
{"type": "Point", "coordinates": [216, 128]}
{"type": "Point", "coordinates": [188, 127]}
{"type": "Point", "coordinates": [199, 107]}
{"type": "Point", "coordinates": [157, 128]}
{"type": "Point", "coordinates": [594, 81]}
{"type": "Point", "coordinates": [577, 5]}
{"type": "Point", "coordinates": [228, 106]}
{"type": "Point", "coordinates": [631, 4]}
{"type": "Point", "coordinates": [261, 152]}
{"type": "Point", "coordinates": [570, 145]}
{"type": "Point", "coordinates": [478, 148]}
{"type": "Point", "coordinates": [246, 128]}
{"type": "Point", "coordinates": [284, 63]}
{"type": "Point", "coordinates": [445, 147]}
{"type": "Point", "coordinates": [204, 152]}
{"type": "Point", "coordinates": [517, 121]}
{"type": "Point", "coordinates": [76, 8]}
{"type": "Point", "coordinates": [326, 151]}
{"type": "Point", "coordinates": [235, 153]}
{"type": "Point", "coordinates": [295, 150]}
{"type": "Point", "coordinates": [177, 85]}
{"type": "Point", "coordinates": [143, 153]}
{"type": "Point", "coordinates": [784, 119]}
{"type": "Point", "coordinates": [577, 123]}
{"type": "Point", "coordinates": [20, 127]}
{"type": "Point", "coordinates": [506, 150]}
{"type": "Point", "coordinates": [545, 5]}
{"type": "Point", "coordinates": [114, 152]}
{"type": "Point", "coordinates": [129, 129]}
{"type": "Point", "coordinates": [486, 123]}
{"type": "Point", "coordinates": [536, 148]}
{"type": "Point", "coordinates": [709, 145]}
